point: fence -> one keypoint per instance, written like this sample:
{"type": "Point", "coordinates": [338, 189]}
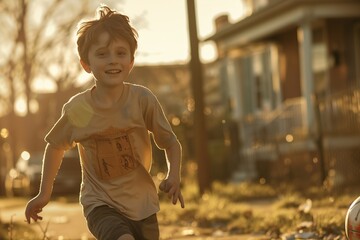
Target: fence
{"type": "Point", "coordinates": [282, 124]}
{"type": "Point", "coordinates": [282, 135]}
{"type": "Point", "coordinates": [340, 113]}
{"type": "Point", "coordinates": [340, 122]}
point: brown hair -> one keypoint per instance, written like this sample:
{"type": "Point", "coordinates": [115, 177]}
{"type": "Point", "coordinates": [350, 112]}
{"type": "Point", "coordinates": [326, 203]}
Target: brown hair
{"type": "Point", "coordinates": [110, 21]}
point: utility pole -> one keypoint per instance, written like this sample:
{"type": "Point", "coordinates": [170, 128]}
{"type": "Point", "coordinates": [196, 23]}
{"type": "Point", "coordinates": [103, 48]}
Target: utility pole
{"type": "Point", "coordinates": [201, 152]}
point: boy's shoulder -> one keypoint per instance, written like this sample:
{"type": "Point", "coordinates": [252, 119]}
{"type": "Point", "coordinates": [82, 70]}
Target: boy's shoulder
{"type": "Point", "coordinates": [77, 98]}
{"type": "Point", "coordinates": [139, 89]}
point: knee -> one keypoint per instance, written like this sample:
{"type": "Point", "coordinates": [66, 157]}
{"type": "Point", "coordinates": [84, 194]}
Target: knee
{"type": "Point", "coordinates": [126, 237]}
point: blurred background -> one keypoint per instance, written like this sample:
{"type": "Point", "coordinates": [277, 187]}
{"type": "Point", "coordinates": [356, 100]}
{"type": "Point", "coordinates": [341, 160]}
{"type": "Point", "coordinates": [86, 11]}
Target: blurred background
{"type": "Point", "coordinates": [266, 91]}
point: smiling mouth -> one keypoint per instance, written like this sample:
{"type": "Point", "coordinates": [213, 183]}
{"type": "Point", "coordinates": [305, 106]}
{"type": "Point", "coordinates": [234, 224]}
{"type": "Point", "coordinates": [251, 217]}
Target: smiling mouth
{"type": "Point", "coordinates": [113, 71]}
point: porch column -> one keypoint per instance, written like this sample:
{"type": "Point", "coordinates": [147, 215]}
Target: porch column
{"type": "Point", "coordinates": [306, 74]}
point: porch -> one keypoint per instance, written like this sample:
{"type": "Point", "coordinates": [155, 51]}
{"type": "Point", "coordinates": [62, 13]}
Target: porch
{"type": "Point", "coordinates": [280, 146]}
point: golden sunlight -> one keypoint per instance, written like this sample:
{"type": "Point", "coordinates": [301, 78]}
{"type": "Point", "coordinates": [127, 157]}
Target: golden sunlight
{"type": "Point", "coordinates": [20, 106]}
{"type": "Point", "coordinates": [4, 132]}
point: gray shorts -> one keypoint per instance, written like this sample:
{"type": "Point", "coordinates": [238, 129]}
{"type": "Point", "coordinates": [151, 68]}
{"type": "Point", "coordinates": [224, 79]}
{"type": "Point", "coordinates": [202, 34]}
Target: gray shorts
{"type": "Point", "coordinates": [105, 223]}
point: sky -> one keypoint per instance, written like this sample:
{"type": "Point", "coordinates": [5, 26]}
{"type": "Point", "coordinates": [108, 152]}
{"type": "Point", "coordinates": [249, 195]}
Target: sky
{"type": "Point", "coordinates": [163, 31]}
{"type": "Point", "coordinates": [163, 27]}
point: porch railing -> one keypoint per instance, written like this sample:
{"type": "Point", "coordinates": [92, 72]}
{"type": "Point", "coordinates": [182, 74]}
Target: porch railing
{"type": "Point", "coordinates": [331, 154]}
{"type": "Point", "coordinates": [340, 113]}
{"type": "Point", "coordinates": [283, 124]}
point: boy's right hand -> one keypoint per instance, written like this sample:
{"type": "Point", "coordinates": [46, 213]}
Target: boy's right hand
{"type": "Point", "coordinates": [35, 206]}
{"type": "Point", "coordinates": [172, 188]}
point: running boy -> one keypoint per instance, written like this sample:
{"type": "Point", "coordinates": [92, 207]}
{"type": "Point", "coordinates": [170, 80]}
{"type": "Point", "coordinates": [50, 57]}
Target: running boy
{"type": "Point", "coordinates": [110, 124]}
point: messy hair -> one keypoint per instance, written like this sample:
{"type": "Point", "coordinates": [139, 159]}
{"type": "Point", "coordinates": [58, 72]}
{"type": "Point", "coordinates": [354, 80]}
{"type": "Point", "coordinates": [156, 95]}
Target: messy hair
{"type": "Point", "coordinates": [114, 23]}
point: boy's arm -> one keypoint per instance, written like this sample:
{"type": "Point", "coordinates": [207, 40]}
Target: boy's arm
{"type": "Point", "coordinates": [171, 185]}
{"type": "Point", "coordinates": [51, 164]}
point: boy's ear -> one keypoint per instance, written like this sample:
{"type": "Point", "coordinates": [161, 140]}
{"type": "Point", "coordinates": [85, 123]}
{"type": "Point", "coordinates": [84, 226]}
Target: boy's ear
{"type": "Point", "coordinates": [85, 66]}
{"type": "Point", "coordinates": [132, 65]}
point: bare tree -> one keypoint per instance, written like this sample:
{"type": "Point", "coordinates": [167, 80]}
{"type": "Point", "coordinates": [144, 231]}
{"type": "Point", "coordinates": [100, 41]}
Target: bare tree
{"type": "Point", "coordinates": [37, 45]}
{"type": "Point", "coordinates": [36, 40]}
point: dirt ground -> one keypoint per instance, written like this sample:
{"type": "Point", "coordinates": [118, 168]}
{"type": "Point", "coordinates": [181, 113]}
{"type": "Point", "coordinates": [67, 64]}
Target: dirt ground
{"type": "Point", "coordinates": [64, 220]}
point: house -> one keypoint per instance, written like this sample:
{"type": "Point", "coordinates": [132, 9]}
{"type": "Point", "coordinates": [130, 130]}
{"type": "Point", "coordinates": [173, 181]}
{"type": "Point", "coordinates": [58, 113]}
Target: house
{"type": "Point", "coordinates": [292, 69]}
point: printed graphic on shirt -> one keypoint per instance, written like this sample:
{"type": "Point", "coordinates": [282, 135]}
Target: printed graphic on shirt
{"type": "Point", "coordinates": [115, 156]}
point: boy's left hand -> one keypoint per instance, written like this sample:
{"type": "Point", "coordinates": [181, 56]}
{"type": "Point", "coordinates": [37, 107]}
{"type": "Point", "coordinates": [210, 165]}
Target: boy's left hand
{"type": "Point", "coordinates": [172, 188]}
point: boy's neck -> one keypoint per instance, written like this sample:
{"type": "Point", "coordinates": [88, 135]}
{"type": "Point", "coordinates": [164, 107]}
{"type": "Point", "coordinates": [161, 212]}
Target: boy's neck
{"type": "Point", "coordinates": [107, 97]}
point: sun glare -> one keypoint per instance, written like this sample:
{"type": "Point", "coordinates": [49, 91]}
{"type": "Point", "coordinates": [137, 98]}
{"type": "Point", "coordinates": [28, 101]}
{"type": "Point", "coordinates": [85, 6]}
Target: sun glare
{"type": "Point", "coordinates": [208, 52]}
{"type": "Point", "coordinates": [25, 155]}
{"type": "Point", "coordinates": [4, 133]}
{"type": "Point", "coordinates": [43, 85]}
{"type": "Point", "coordinates": [20, 106]}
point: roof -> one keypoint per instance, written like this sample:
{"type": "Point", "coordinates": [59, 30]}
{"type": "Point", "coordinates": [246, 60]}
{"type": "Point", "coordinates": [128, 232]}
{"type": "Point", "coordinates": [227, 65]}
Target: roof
{"type": "Point", "coordinates": [282, 14]}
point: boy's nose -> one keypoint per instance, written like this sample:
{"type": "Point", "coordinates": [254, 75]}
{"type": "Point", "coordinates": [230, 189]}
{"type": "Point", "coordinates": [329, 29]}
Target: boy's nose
{"type": "Point", "coordinates": [113, 59]}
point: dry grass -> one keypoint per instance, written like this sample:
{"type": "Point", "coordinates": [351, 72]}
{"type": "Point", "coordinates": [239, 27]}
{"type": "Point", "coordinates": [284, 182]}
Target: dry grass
{"type": "Point", "coordinates": [243, 208]}
{"type": "Point", "coordinates": [248, 208]}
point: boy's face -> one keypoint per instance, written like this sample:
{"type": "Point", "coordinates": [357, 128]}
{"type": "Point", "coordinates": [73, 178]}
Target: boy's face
{"type": "Point", "coordinates": [110, 61]}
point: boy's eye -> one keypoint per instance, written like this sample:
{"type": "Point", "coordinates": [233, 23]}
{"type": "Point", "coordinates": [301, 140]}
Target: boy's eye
{"type": "Point", "coordinates": [100, 54]}
{"type": "Point", "coordinates": [121, 53]}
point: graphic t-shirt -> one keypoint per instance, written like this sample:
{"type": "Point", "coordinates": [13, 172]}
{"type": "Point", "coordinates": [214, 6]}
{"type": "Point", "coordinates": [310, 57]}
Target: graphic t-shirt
{"type": "Point", "coordinates": [115, 149]}
{"type": "Point", "coordinates": [115, 156]}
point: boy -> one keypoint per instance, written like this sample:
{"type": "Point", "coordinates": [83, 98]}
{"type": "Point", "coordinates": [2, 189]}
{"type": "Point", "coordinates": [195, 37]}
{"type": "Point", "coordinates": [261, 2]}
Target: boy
{"type": "Point", "coordinates": [110, 123]}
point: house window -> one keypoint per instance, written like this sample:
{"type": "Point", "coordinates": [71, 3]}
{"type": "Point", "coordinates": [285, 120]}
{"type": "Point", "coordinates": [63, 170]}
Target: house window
{"type": "Point", "coordinates": [247, 85]}
{"type": "Point", "coordinates": [262, 79]}
{"type": "Point", "coordinates": [258, 80]}
{"type": "Point", "coordinates": [320, 62]}
{"type": "Point", "coordinates": [255, 76]}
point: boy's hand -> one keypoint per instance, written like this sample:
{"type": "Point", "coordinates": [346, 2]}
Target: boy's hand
{"type": "Point", "coordinates": [34, 207]}
{"type": "Point", "coordinates": [172, 188]}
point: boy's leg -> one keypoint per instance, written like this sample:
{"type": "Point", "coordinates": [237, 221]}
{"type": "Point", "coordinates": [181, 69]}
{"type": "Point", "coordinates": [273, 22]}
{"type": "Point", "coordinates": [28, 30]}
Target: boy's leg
{"type": "Point", "coordinates": [106, 223]}
{"type": "Point", "coordinates": [148, 229]}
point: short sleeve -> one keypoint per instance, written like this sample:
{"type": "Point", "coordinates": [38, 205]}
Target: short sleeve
{"type": "Point", "coordinates": [60, 135]}
{"type": "Point", "coordinates": [156, 121]}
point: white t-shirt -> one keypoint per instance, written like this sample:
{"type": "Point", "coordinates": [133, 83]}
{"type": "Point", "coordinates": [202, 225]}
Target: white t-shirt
{"type": "Point", "coordinates": [115, 149]}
